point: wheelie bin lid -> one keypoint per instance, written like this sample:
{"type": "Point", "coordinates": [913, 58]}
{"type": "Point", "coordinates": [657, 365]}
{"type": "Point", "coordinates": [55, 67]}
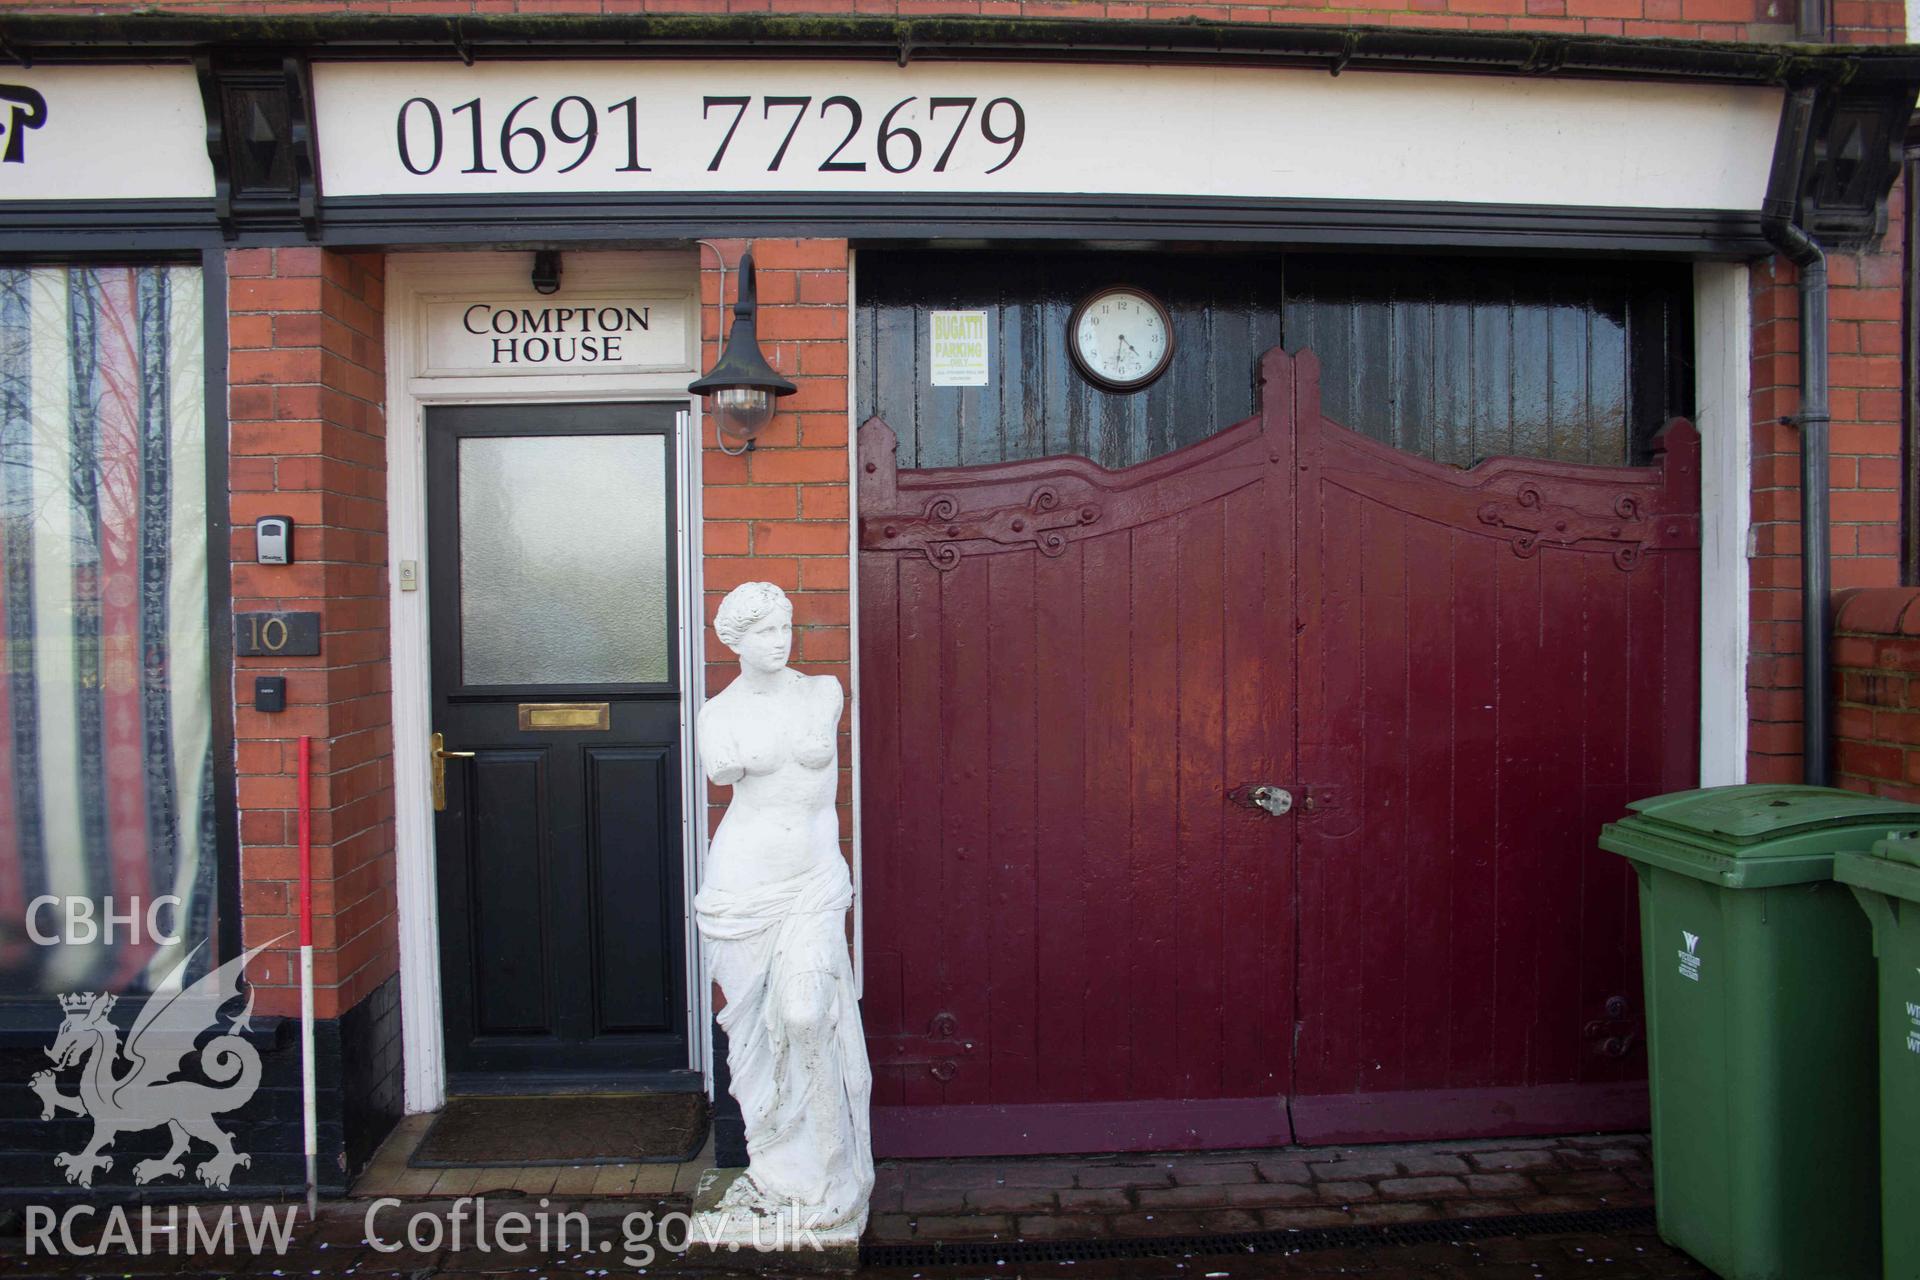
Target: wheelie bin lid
{"type": "Point", "coordinates": [1891, 867]}
{"type": "Point", "coordinates": [1755, 836]}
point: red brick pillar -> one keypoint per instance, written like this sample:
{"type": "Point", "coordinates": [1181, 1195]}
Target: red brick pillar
{"type": "Point", "coordinates": [307, 373]}
{"type": "Point", "coordinates": [780, 513]}
{"type": "Point", "coordinates": [1865, 374]}
{"type": "Point", "coordinates": [1864, 452]}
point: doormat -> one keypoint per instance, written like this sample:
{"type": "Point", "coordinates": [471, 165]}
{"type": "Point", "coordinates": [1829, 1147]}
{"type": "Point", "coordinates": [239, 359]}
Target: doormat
{"type": "Point", "coordinates": [574, 1128]}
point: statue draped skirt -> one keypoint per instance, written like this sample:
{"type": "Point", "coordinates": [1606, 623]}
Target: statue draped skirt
{"type": "Point", "coordinates": [803, 1083]}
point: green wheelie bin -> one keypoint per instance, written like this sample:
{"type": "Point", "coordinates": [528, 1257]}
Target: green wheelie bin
{"type": "Point", "coordinates": [1759, 987]}
{"type": "Point", "coordinates": [1886, 882]}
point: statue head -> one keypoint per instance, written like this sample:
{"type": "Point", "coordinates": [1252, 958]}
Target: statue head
{"type": "Point", "coordinates": [756, 622]}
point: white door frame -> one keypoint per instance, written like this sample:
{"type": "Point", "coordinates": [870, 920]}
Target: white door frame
{"type": "Point", "coordinates": [412, 279]}
{"type": "Point", "coordinates": [1723, 412]}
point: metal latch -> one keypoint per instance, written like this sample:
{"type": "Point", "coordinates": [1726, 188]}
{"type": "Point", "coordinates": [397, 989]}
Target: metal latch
{"type": "Point", "coordinates": [1276, 801]}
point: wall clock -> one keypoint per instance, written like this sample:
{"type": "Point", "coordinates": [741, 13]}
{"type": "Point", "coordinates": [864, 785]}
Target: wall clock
{"type": "Point", "coordinates": [1121, 338]}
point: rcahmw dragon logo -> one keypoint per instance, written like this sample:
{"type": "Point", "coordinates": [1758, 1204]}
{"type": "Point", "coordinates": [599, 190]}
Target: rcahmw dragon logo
{"type": "Point", "coordinates": [144, 1095]}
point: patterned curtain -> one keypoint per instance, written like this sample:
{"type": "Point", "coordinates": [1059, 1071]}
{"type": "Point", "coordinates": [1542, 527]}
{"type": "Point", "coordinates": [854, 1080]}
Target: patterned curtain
{"type": "Point", "coordinates": [106, 783]}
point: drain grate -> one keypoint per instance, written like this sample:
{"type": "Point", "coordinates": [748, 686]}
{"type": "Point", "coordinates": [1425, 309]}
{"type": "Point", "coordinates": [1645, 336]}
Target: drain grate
{"type": "Point", "coordinates": [1303, 1240]}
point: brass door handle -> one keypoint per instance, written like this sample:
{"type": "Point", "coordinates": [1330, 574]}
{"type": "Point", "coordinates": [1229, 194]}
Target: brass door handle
{"type": "Point", "coordinates": [440, 756]}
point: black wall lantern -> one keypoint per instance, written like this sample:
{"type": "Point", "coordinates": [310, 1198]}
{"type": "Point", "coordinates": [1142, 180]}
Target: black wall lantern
{"type": "Point", "coordinates": [546, 271]}
{"type": "Point", "coordinates": [742, 386]}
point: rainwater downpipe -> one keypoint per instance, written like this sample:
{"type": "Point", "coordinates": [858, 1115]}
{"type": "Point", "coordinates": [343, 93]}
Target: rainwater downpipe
{"type": "Point", "coordinates": [1778, 223]}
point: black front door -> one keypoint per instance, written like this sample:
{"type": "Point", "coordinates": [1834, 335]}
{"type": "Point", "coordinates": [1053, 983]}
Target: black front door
{"type": "Point", "coordinates": [552, 568]}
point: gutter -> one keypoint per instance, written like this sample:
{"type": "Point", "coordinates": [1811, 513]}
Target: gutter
{"type": "Point", "coordinates": [29, 38]}
{"type": "Point", "coordinates": [1778, 223]}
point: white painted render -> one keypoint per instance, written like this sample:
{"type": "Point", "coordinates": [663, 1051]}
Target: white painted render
{"type": "Point", "coordinates": [110, 133]}
{"type": "Point", "coordinates": [1147, 130]}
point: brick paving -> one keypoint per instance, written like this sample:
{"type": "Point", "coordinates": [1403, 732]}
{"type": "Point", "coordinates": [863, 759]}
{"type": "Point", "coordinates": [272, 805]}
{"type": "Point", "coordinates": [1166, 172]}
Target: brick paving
{"type": "Point", "coordinates": [1197, 1193]}
{"type": "Point", "coordinates": [1105, 1198]}
{"type": "Point", "coordinates": [1631, 1256]}
{"type": "Point", "coordinates": [1627, 1256]}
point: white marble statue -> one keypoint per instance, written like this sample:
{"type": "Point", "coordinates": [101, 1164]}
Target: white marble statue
{"type": "Point", "coordinates": [772, 913]}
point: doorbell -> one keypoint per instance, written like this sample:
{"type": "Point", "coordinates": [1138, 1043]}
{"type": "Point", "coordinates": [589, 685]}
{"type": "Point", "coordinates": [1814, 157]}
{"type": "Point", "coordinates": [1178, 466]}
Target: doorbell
{"type": "Point", "coordinates": [270, 694]}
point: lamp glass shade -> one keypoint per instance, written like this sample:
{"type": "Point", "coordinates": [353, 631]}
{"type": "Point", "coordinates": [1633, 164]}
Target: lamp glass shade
{"type": "Point", "coordinates": [742, 412]}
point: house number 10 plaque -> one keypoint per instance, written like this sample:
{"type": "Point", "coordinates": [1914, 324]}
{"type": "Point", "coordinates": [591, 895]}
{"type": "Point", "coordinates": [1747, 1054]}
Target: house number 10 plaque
{"type": "Point", "coordinates": [276, 635]}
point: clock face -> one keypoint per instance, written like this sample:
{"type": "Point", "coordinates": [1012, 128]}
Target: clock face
{"type": "Point", "coordinates": [1121, 338]}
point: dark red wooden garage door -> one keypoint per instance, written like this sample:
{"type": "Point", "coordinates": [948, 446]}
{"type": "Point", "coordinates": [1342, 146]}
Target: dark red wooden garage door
{"type": "Point", "coordinates": [1080, 936]}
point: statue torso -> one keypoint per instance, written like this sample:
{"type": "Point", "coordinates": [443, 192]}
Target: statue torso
{"type": "Point", "coordinates": [781, 817]}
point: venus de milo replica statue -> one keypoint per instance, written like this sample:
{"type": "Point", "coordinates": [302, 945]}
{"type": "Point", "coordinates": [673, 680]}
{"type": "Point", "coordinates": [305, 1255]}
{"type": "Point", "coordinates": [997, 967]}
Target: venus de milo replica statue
{"type": "Point", "coordinates": [772, 914]}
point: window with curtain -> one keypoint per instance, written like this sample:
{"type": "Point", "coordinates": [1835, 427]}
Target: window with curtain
{"type": "Point", "coordinates": [106, 719]}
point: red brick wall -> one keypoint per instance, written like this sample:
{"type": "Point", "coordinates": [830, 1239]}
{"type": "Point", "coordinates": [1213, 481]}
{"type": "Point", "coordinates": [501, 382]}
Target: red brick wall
{"type": "Point", "coordinates": [1877, 678]}
{"type": "Point", "coordinates": [308, 437]}
{"type": "Point", "coordinates": [779, 513]}
{"type": "Point", "coordinates": [1865, 370]}
{"type": "Point", "coordinates": [1856, 21]}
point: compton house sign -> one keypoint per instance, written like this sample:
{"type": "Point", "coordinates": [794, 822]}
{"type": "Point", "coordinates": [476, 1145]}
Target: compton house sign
{"type": "Point", "coordinates": [609, 332]}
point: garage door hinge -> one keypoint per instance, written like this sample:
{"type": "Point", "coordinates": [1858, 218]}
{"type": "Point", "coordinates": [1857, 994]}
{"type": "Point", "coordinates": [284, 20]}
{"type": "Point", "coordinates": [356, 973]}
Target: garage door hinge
{"type": "Point", "coordinates": [940, 1051]}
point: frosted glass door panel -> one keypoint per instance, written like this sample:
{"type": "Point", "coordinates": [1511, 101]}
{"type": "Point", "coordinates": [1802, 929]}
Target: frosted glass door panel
{"type": "Point", "coordinates": [563, 560]}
